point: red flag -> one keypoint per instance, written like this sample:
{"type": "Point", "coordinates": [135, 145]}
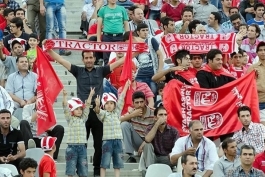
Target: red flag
{"type": "Point", "coordinates": [215, 108]}
{"type": "Point", "coordinates": [126, 74]}
{"type": "Point", "coordinates": [49, 86]}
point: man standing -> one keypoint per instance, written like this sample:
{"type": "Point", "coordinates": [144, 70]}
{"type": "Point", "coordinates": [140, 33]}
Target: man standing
{"type": "Point", "coordinates": [172, 9]}
{"type": "Point", "coordinates": [247, 156]}
{"type": "Point", "coordinates": [203, 10]}
{"type": "Point", "coordinates": [87, 77]}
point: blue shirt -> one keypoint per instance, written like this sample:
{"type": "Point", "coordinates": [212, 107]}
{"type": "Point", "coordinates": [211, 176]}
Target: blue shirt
{"type": "Point", "coordinates": [253, 21]}
{"type": "Point", "coordinates": [210, 30]}
{"type": "Point", "coordinates": [55, 1]}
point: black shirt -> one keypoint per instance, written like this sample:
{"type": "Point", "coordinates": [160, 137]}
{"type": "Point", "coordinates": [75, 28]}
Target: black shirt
{"type": "Point", "coordinates": [171, 75]}
{"type": "Point", "coordinates": [9, 37]}
{"type": "Point", "coordinates": [8, 144]}
{"type": "Point", "coordinates": [86, 79]}
{"type": "Point", "coordinates": [208, 80]}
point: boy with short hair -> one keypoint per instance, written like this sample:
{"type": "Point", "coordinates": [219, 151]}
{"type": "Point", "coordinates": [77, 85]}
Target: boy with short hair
{"type": "Point", "coordinates": [160, 88]}
{"type": "Point", "coordinates": [32, 52]}
{"type": "Point", "coordinates": [8, 15]}
{"type": "Point", "coordinates": [27, 167]}
{"type": "Point", "coordinates": [47, 164]}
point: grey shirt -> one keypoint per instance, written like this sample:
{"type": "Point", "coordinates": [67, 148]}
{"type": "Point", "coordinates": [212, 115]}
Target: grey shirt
{"type": "Point", "coordinates": [21, 86]}
{"type": "Point", "coordinates": [202, 12]}
{"type": "Point", "coordinates": [223, 165]}
{"type": "Point", "coordinates": [10, 64]}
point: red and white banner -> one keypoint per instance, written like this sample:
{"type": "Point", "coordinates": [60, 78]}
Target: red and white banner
{"type": "Point", "coordinates": [94, 46]}
{"type": "Point", "coordinates": [198, 43]}
{"type": "Point", "coordinates": [48, 88]}
{"type": "Point", "coordinates": [215, 108]}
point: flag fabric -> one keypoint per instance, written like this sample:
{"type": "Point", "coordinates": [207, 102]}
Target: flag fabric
{"type": "Point", "coordinates": [215, 108]}
{"type": "Point", "coordinates": [126, 74]}
{"type": "Point", "coordinates": [48, 88]}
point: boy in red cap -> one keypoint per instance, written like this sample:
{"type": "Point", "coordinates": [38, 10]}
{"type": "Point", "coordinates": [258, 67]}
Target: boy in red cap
{"type": "Point", "coordinates": [47, 164]}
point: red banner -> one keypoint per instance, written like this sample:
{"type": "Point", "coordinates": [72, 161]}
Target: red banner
{"type": "Point", "coordinates": [94, 46]}
{"type": "Point", "coordinates": [198, 43]}
{"type": "Point", "coordinates": [215, 108]}
{"type": "Point", "coordinates": [49, 86]}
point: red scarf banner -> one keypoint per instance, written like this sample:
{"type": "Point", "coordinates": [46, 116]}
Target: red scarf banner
{"type": "Point", "coordinates": [190, 76]}
{"type": "Point", "coordinates": [215, 108]}
{"type": "Point", "coordinates": [94, 46]}
{"type": "Point", "coordinates": [219, 72]}
{"type": "Point", "coordinates": [48, 88]}
{"type": "Point", "coordinates": [198, 43]}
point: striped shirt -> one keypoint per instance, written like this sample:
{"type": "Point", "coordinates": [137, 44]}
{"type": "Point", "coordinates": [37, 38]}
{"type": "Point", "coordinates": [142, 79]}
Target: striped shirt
{"type": "Point", "coordinates": [111, 121]}
{"type": "Point", "coordinates": [206, 151]}
{"type": "Point", "coordinates": [140, 124]}
{"type": "Point", "coordinates": [239, 172]}
{"type": "Point", "coordinates": [254, 136]}
{"type": "Point", "coordinates": [133, 27]}
{"type": "Point", "coordinates": [250, 49]}
{"type": "Point", "coordinates": [77, 129]}
{"type": "Point", "coordinates": [6, 101]}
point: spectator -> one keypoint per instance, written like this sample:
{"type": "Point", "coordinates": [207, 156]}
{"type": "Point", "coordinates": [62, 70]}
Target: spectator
{"type": "Point", "coordinates": [260, 79]}
{"type": "Point", "coordinates": [181, 27]}
{"type": "Point", "coordinates": [259, 161]}
{"type": "Point", "coordinates": [13, 150]}
{"type": "Point", "coordinates": [47, 166]}
{"type": "Point", "coordinates": [12, 4]}
{"type": "Point", "coordinates": [190, 166]}
{"type": "Point", "coordinates": [229, 160]}
{"type": "Point", "coordinates": [8, 15]}
{"type": "Point", "coordinates": [134, 124]}
{"type": "Point", "coordinates": [224, 12]}
{"type": "Point", "coordinates": [246, 8]}
{"type": "Point", "coordinates": [236, 67]}
{"type": "Point", "coordinates": [262, 30]}
{"type": "Point", "coordinates": [2, 18]}
{"type": "Point", "coordinates": [229, 26]}
{"type": "Point", "coordinates": [160, 88]}
{"type": "Point", "coordinates": [213, 26]}
{"type": "Point", "coordinates": [32, 52]}
{"type": "Point", "coordinates": [27, 167]}
{"type": "Point", "coordinates": [247, 156]}
{"type": "Point", "coordinates": [155, 8]}
{"type": "Point", "coordinates": [113, 27]}
{"type": "Point", "coordinates": [28, 127]}
{"type": "Point", "coordinates": [130, 12]}
{"type": "Point", "coordinates": [172, 9]}
{"type": "Point", "coordinates": [196, 144]}
{"type": "Point", "coordinates": [200, 29]}
{"type": "Point", "coordinates": [160, 138]}
{"type": "Point", "coordinates": [21, 14]}
{"type": "Point", "coordinates": [203, 10]}
{"type": "Point", "coordinates": [197, 61]}
{"type": "Point", "coordinates": [259, 11]}
{"type": "Point", "coordinates": [16, 29]}
{"type": "Point", "coordinates": [192, 26]}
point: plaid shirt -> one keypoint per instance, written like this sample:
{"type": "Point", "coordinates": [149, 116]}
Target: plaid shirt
{"type": "Point", "coordinates": [111, 121]}
{"type": "Point", "coordinates": [239, 172]}
{"type": "Point", "coordinates": [178, 27]}
{"type": "Point", "coordinates": [12, 4]}
{"type": "Point", "coordinates": [254, 136]}
{"type": "Point", "coordinates": [77, 129]}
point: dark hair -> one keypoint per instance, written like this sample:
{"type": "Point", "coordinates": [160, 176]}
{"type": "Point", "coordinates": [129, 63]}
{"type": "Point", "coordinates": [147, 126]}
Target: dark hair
{"type": "Point", "coordinates": [7, 11]}
{"type": "Point", "coordinates": [243, 25]}
{"type": "Point", "coordinates": [243, 108]}
{"type": "Point", "coordinates": [184, 158]}
{"type": "Point", "coordinates": [141, 26]}
{"type": "Point", "coordinates": [137, 8]}
{"type": "Point", "coordinates": [126, 36]}
{"type": "Point", "coordinates": [193, 122]}
{"type": "Point", "coordinates": [240, 51]}
{"type": "Point", "coordinates": [180, 55]}
{"type": "Point", "coordinates": [18, 22]}
{"type": "Point", "coordinates": [257, 5]}
{"type": "Point", "coordinates": [256, 27]}
{"type": "Point", "coordinates": [261, 44]}
{"type": "Point", "coordinates": [165, 21]}
{"type": "Point", "coordinates": [28, 163]}
{"type": "Point", "coordinates": [232, 8]}
{"type": "Point", "coordinates": [247, 147]}
{"type": "Point", "coordinates": [186, 9]}
{"type": "Point", "coordinates": [132, 8]}
{"type": "Point", "coordinates": [87, 51]}
{"type": "Point", "coordinates": [34, 35]}
{"type": "Point", "coordinates": [138, 94]}
{"type": "Point", "coordinates": [226, 142]}
{"type": "Point", "coordinates": [158, 109]}
{"type": "Point", "coordinates": [22, 56]}
{"type": "Point", "coordinates": [193, 24]}
{"type": "Point", "coordinates": [2, 111]}
{"type": "Point", "coordinates": [217, 16]}
{"type": "Point", "coordinates": [235, 17]}
{"type": "Point", "coordinates": [161, 85]}
{"type": "Point", "coordinates": [212, 53]}
{"type": "Point", "coordinates": [20, 9]}
{"type": "Point", "coordinates": [234, 53]}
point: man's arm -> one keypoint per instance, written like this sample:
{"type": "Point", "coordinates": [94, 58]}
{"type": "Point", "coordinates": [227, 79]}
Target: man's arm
{"type": "Point", "coordinates": [212, 158]}
{"type": "Point", "coordinates": [208, 173]}
{"type": "Point", "coordinates": [116, 64]}
{"type": "Point", "coordinates": [26, 27]}
{"type": "Point", "coordinates": [130, 115]}
{"type": "Point", "coordinates": [160, 60]}
{"type": "Point", "coordinates": [46, 174]}
{"type": "Point", "coordinates": [218, 169]}
{"type": "Point", "coordinates": [27, 114]}
{"type": "Point", "coordinates": [42, 8]}
{"type": "Point", "coordinates": [161, 75]}
{"type": "Point", "coordinates": [2, 56]}
{"type": "Point", "coordinates": [99, 28]}
{"type": "Point", "coordinates": [126, 26]}
{"type": "Point", "coordinates": [8, 102]}
{"type": "Point", "coordinates": [99, 4]}
{"type": "Point", "coordinates": [31, 100]}
{"type": "Point", "coordinates": [22, 151]}
{"type": "Point", "coordinates": [152, 133]}
{"type": "Point", "coordinates": [150, 101]}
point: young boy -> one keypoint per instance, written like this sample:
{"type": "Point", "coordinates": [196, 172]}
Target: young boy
{"type": "Point", "coordinates": [27, 167]}
{"type": "Point", "coordinates": [112, 133]}
{"type": "Point", "coordinates": [47, 165]}
{"type": "Point", "coordinates": [236, 67]}
{"type": "Point", "coordinates": [160, 87]}
{"type": "Point", "coordinates": [76, 115]}
{"type": "Point", "coordinates": [32, 52]}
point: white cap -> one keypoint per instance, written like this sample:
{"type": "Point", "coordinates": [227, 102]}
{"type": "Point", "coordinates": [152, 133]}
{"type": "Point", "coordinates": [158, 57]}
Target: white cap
{"type": "Point", "coordinates": [75, 103]}
{"type": "Point", "coordinates": [108, 97]}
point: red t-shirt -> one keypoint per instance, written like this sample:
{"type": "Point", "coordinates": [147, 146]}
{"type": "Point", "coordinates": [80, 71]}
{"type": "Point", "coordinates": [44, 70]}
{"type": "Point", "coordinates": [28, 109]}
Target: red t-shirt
{"type": "Point", "coordinates": [237, 72]}
{"type": "Point", "coordinates": [173, 12]}
{"type": "Point", "coordinates": [93, 29]}
{"type": "Point", "coordinates": [47, 165]}
{"type": "Point", "coordinates": [259, 162]}
{"type": "Point", "coordinates": [138, 1]}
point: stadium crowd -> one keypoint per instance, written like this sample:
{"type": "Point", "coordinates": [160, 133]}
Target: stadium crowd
{"type": "Point", "coordinates": [99, 107]}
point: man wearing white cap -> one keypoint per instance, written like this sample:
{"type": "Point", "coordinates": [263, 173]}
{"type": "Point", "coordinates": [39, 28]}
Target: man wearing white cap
{"type": "Point", "coordinates": [47, 165]}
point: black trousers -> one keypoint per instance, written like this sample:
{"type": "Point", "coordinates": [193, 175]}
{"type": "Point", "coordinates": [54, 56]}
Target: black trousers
{"type": "Point", "coordinates": [84, 26]}
{"type": "Point", "coordinates": [96, 128]}
{"type": "Point", "coordinates": [57, 131]}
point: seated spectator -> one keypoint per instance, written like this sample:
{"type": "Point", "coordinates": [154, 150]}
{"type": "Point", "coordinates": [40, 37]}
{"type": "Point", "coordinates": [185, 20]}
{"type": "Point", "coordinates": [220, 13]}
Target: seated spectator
{"type": "Point", "coordinates": [8, 15]}
{"type": "Point", "coordinates": [22, 84]}
{"type": "Point", "coordinates": [259, 161]}
{"type": "Point", "coordinates": [154, 9]}
{"type": "Point", "coordinates": [197, 144]}
{"type": "Point", "coordinates": [27, 167]}
{"type": "Point", "coordinates": [228, 26]}
{"type": "Point", "coordinates": [203, 10]}
{"type": "Point", "coordinates": [259, 11]}
{"type": "Point", "coordinates": [139, 3]}
{"type": "Point", "coordinates": [247, 156]}
{"type": "Point", "coordinates": [192, 26]}
{"type": "Point", "coordinates": [246, 8]}
{"type": "Point", "coordinates": [190, 166]}
{"type": "Point", "coordinates": [160, 138]}
{"type": "Point", "coordinates": [134, 124]}
{"type": "Point", "coordinates": [21, 14]}
{"type": "Point", "coordinates": [16, 29]}
{"type": "Point", "coordinates": [12, 4]}
{"type": "Point", "coordinates": [172, 9]}
{"type": "Point", "coordinates": [28, 127]}
{"type": "Point", "coordinates": [2, 18]}
{"type": "Point", "coordinates": [200, 29]}
{"type": "Point", "coordinates": [229, 160]}
{"type": "Point", "coordinates": [12, 148]}
{"type": "Point", "coordinates": [160, 88]}
{"type": "Point", "coordinates": [213, 26]}
{"type": "Point", "coordinates": [236, 67]}
{"type": "Point", "coordinates": [197, 61]}
{"type": "Point", "coordinates": [181, 27]}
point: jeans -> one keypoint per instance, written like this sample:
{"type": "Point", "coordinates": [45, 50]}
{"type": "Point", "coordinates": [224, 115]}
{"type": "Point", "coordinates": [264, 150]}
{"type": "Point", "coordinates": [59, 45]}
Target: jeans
{"type": "Point", "coordinates": [76, 159]}
{"type": "Point", "coordinates": [154, 14]}
{"type": "Point", "coordinates": [149, 82]}
{"type": "Point", "coordinates": [108, 88]}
